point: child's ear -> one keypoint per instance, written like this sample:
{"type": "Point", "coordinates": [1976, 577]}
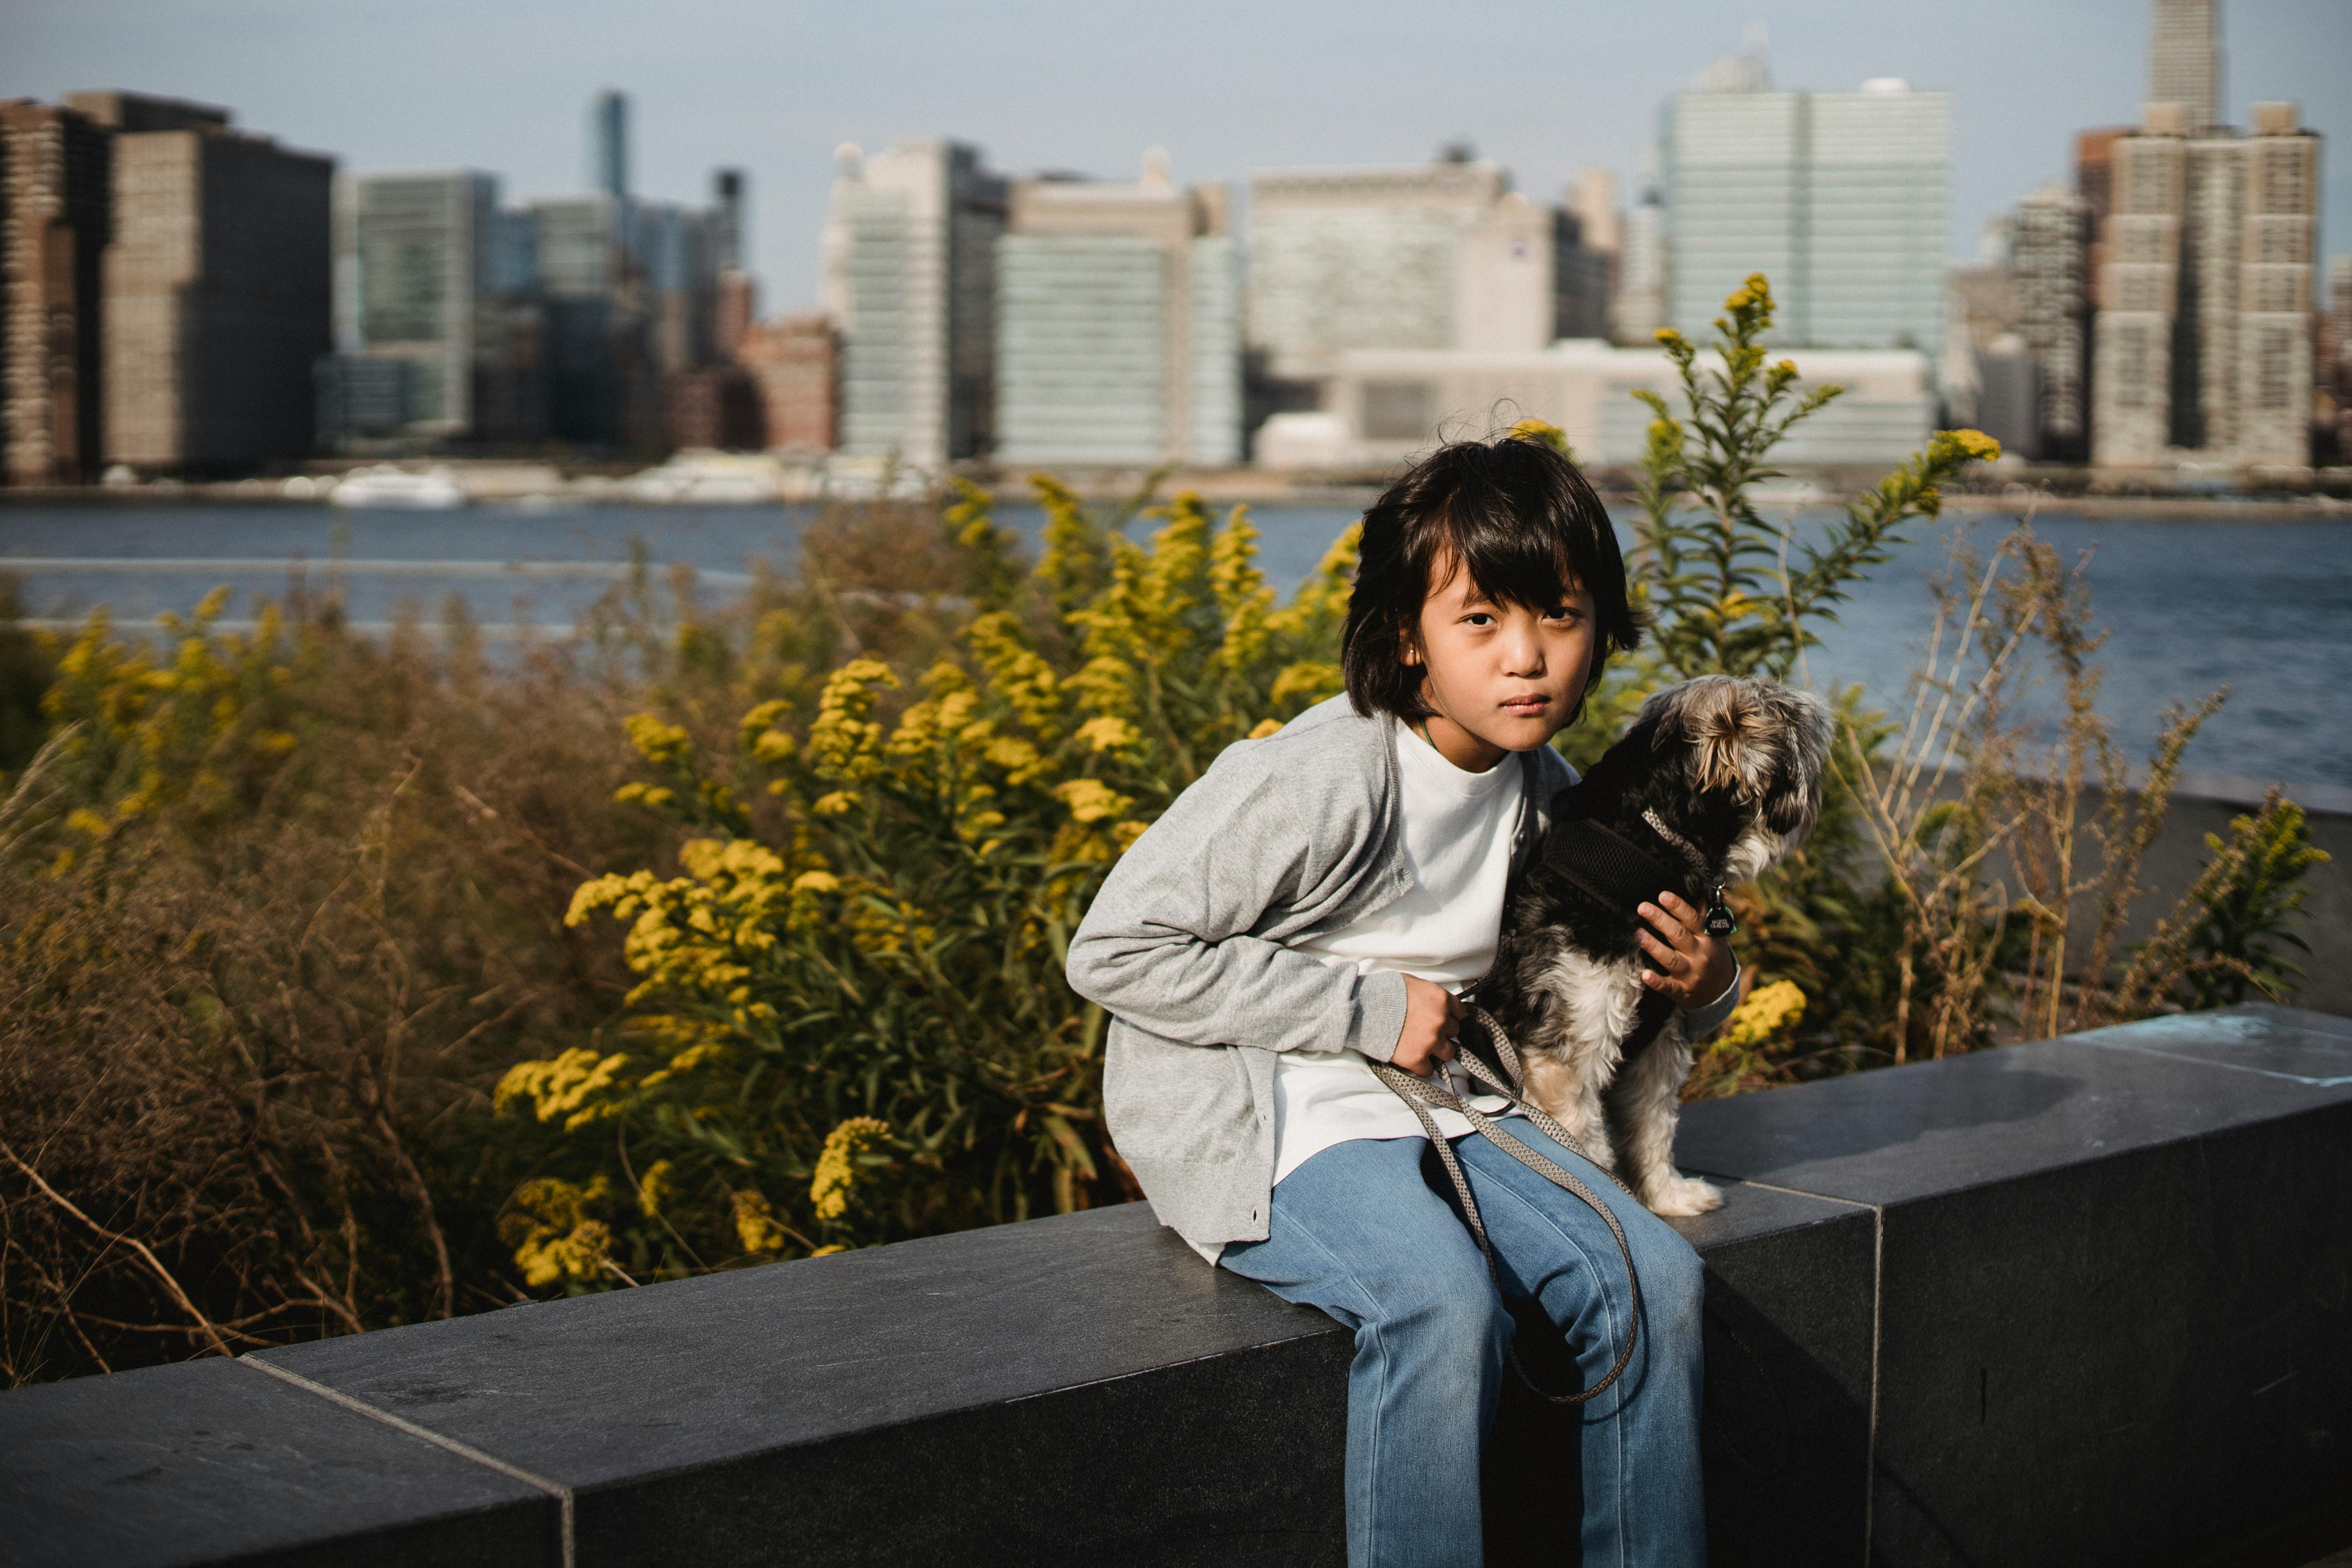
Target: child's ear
{"type": "Point", "coordinates": [1409, 651]}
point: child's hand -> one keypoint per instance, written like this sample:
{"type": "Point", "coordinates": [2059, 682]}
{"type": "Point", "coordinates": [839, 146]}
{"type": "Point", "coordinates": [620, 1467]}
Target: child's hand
{"type": "Point", "coordinates": [1432, 1018]}
{"type": "Point", "coordinates": [1687, 963]}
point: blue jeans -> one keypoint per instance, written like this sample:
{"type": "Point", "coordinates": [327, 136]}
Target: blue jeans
{"type": "Point", "coordinates": [1362, 1232]}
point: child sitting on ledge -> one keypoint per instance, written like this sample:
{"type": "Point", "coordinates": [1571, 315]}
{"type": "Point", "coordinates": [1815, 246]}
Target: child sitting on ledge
{"type": "Point", "coordinates": [1310, 906]}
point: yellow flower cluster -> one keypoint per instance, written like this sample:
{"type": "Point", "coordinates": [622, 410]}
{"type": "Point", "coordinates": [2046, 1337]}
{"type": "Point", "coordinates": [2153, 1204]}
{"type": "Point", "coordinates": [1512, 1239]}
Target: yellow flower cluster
{"type": "Point", "coordinates": [570, 1086]}
{"type": "Point", "coordinates": [755, 1223]}
{"type": "Point", "coordinates": [925, 866]}
{"type": "Point", "coordinates": [697, 935]}
{"type": "Point", "coordinates": [1970, 444]}
{"type": "Point", "coordinates": [192, 730]}
{"type": "Point", "coordinates": [844, 743]}
{"type": "Point", "coordinates": [1769, 1013]}
{"type": "Point", "coordinates": [836, 1168]}
{"type": "Point", "coordinates": [1542, 432]}
{"type": "Point", "coordinates": [552, 1233]}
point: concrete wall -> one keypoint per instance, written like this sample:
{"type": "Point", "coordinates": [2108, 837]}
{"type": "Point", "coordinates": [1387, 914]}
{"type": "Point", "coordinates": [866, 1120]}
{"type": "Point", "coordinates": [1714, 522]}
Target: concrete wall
{"type": "Point", "coordinates": [2074, 1304]}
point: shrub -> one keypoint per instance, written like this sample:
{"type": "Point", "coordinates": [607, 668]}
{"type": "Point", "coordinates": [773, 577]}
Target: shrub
{"type": "Point", "coordinates": [850, 1022]}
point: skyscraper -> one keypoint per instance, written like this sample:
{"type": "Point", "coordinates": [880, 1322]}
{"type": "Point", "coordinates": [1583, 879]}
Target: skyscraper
{"type": "Point", "coordinates": [1118, 323]}
{"type": "Point", "coordinates": [596, 353]}
{"type": "Point", "coordinates": [1362, 258]}
{"type": "Point", "coordinates": [1592, 239]}
{"type": "Point", "coordinates": [2047, 267]}
{"type": "Point", "coordinates": [608, 145]}
{"type": "Point", "coordinates": [436, 293]}
{"type": "Point", "coordinates": [730, 198]}
{"type": "Point", "coordinates": [2203, 339]}
{"type": "Point", "coordinates": [218, 294]}
{"type": "Point", "coordinates": [1840, 198]}
{"type": "Point", "coordinates": [2184, 61]}
{"type": "Point", "coordinates": [909, 253]}
{"type": "Point", "coordinates": [56, 204]}
{"type": "Point", "coordinates": [1639, 308]}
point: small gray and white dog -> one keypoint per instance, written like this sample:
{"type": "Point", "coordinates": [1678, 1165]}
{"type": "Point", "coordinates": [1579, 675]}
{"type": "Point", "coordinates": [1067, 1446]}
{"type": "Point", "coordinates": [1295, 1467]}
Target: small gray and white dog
{"type": "Point", "coordinates": [1716, 780]}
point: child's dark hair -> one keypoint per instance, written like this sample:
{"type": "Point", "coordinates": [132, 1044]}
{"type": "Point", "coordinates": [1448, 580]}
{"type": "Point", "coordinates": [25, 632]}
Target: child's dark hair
{"type": "Point", "coordinates": [1523, 522]}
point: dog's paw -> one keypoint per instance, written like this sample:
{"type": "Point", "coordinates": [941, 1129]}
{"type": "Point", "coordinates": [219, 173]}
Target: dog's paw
{"type": "Point", "coordinates": [1682, 1196]}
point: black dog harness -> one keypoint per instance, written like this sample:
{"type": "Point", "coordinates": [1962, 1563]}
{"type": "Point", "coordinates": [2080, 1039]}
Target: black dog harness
{"type": "Point", "coordinates": [1621, 875]}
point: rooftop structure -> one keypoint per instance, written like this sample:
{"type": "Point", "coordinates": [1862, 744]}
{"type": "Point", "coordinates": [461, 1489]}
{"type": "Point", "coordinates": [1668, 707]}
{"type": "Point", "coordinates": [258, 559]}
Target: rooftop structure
{"type": "Point", "coordinates": [2184, 60]}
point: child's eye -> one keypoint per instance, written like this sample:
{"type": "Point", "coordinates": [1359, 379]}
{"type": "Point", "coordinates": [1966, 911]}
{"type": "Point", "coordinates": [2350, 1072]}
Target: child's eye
{"type": "Point", "coordinates": [1478, 618]}
{"type": "Point", "coordinates": [1561, 613]}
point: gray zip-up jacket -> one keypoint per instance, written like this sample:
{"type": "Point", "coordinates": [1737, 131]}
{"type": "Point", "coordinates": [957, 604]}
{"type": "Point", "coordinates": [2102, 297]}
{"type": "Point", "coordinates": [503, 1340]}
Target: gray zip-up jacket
{"type": "Point", "coordinates": [1189, 948]}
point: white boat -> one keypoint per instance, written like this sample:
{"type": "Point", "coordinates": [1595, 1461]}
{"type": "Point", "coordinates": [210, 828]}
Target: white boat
{"type": "Point", "coordinates": [872, 478]}
{"type": "Point", "coordinates": [709, 479]}
{"type": "Point", "coordinates": [389, 485]}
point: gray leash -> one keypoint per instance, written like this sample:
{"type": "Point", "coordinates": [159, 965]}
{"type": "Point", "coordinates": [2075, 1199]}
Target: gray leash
{"type": "Point", "coordinates": [1422, 1093]}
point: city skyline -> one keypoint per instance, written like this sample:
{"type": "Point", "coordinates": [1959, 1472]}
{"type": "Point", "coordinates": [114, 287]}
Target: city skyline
{"type": "Point", "coordinates": [1055, 89]}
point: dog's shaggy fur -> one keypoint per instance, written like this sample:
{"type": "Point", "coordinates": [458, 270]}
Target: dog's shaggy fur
{"type": "Point", "coordinates": [1732, 768]}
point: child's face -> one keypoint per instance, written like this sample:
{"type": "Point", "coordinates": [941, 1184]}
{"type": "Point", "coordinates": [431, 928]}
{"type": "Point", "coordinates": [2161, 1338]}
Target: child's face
{"type": "Point", "coordinates": [1508, 675]}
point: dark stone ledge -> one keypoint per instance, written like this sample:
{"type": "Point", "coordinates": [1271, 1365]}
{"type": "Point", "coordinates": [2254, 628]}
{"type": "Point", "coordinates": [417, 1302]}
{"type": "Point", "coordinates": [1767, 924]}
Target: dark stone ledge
{"type": "Point", "coordinates": [213, 1462]}
{"type": "Point", "coordinates": [2117, 1299]}
{"type": "Point", "coordinates": [2103, 1284]}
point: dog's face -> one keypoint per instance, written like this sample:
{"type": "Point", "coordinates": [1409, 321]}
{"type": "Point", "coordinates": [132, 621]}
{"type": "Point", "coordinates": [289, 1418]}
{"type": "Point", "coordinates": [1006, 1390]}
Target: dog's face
{"type": "Point", "coordinates": [1755, 745]}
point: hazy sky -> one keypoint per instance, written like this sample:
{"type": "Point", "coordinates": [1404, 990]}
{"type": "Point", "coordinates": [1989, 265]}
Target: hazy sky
{"type": "Point", "coordinates": [504, 85]}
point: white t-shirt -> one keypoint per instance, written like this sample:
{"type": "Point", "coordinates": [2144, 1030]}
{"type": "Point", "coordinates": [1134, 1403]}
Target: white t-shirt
{"type": "Point", "coordinates": [1458, 832]}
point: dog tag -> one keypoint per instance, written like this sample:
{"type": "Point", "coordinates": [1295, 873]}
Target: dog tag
{"type": "Point", "coordinates": [1718, 916]}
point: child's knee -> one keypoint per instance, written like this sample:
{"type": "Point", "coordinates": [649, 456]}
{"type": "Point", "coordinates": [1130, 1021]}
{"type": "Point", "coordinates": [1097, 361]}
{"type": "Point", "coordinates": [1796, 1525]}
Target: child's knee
{"type": "Point", "coordinates": [1464, 1314]}
{"type": "Point", "coordinates": [1674, 1289]}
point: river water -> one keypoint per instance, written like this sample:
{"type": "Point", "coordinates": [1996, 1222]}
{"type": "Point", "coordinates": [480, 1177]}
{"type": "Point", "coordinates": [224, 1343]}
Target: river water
{"type": "Point", "coordinates": [2264, 607]}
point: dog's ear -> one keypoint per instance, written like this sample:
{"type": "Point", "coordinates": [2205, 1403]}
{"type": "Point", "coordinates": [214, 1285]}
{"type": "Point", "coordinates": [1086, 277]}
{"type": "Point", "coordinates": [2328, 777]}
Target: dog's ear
{"type": "Point", "coordinates": [1715, 712]}
{"type": "Point", "coordinates": [1792, 798]}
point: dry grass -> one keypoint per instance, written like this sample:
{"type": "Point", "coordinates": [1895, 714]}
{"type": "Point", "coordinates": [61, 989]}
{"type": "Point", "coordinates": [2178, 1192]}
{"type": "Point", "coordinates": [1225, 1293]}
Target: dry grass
{"type": "Point", "coordinates": [244, 1057]}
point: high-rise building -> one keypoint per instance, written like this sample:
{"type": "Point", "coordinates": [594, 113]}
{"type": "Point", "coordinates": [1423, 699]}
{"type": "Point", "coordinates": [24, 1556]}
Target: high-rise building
{"type": "Point", "coordinates": [795, 363]}
{"type": "Point", "coordinates": [2335, 367]}
{"type": "Point", "coordinates": [909, 254]}
{"type": "Point", "coordinates": [1366, 258]}
{"type": "Point", "coordinates": [56, 217]}
{"type": "Point", "coordinates": [2184, 61]}
{"type": "Point", "coordinates": [435, 288]}
{"type": "Point", "coordinates": [2203, 339]}
{"type": "Point", "coordinates": [597, 360]}
{"type": "Point", "coordinates": [1508, 276]}
{"type": "Point", "coordinates": [2095, 153]}
{"type": "Point", "coordinates": [1639, 308]}
{"type": "Point", "coordinates": [1591, 238]}
{"type": "Point", "coordinates": [1840, 198]}
{"type": "Point", "coordinates": [674, 251]}
{"type": "Point", "coordinates": [2047, 266]}
{"type": "Point", "coordinates": [218, 293]}
{"type": "Point", "coordinates": [1118, 332]}
{"type": "Point", "coordinates": [730, 199]}
{"type": "Point", "coordinates": [608, 145]}
{"type": "Point", "coordinates": [2340, 320]}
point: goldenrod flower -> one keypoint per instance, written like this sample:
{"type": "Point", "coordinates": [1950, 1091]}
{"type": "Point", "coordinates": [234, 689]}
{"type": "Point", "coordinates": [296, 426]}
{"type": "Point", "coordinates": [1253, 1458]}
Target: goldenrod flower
{"type": "Point", "coordinates": [837, 1167]}
{"type": "Point", "coordinates": [755, 1223]}
{"type": "Point", "coordinates": [1091, 800]}
{"type": "Point", "coordinates": [1769, 1010]}
{"type": "Point", "coordinates": [551, 1233]}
